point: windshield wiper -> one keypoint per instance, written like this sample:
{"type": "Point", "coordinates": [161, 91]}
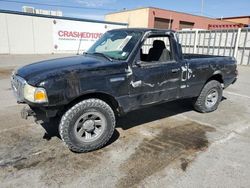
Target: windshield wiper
{"type": "Point", "coordinates": [103, 55]}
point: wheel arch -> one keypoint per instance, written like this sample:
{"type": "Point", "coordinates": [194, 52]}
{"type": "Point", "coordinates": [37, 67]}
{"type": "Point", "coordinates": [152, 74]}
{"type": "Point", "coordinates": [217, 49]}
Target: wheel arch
{"type": "Point", "coordinates": [109, 99]}
{"type": "Point", "coordinates": [216, 76]}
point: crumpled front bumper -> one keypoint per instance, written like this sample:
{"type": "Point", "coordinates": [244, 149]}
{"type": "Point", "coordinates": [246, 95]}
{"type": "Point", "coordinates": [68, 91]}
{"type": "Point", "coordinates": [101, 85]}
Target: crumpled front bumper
{"type": "Point", "coordinates": [26, 112]}
{"type": "Point", "coordinates": [38, 113]}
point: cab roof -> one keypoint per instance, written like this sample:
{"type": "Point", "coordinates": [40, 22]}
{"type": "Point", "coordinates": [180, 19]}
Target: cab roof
{"type": "Point", "coordinates": [144, 30]}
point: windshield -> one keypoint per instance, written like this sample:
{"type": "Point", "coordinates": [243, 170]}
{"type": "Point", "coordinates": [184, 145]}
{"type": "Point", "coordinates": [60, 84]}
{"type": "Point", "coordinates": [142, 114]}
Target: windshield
{"type": "Point", "coordinates": [116, 44]}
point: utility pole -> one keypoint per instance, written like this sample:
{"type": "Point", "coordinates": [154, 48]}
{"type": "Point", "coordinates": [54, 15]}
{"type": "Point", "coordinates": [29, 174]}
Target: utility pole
{"type": "Point", "coordinates": [202, 7]}
{"type": "Point", "coordinates": [170, 22]}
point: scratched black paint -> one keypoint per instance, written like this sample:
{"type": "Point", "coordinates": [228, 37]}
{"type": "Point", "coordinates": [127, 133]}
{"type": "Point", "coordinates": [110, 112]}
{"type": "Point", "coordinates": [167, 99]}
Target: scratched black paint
{"type": "Point", "coordinates": [129, 84]}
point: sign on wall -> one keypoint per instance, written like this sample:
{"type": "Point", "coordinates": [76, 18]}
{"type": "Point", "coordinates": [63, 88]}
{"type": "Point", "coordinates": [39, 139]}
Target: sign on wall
{"type": "Point", "coordinates": [78, 35]}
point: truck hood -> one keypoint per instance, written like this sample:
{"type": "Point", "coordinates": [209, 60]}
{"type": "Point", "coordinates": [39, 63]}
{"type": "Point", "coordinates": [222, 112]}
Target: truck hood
{"type": "Point", "coordinates": [43, 70]}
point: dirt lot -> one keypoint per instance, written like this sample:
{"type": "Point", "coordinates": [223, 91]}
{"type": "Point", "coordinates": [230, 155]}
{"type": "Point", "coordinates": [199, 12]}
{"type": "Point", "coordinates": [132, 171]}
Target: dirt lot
{"type": "Point", "coordinates": [167, 145]}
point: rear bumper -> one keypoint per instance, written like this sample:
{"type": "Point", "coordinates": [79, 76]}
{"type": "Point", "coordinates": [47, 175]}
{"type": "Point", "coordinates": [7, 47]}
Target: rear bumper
{"type": "Point", "coordinates": [234, 80]}
{"type": "Point", "coordinates": [228, 82]}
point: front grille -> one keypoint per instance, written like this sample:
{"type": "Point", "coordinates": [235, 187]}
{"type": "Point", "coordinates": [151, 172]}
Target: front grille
{"type": "Point", "coordinates": [17, 84]}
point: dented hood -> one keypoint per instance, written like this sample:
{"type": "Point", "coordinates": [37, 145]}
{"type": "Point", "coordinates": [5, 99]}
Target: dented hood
{"type": "Point", "coordinates": [40, 71]}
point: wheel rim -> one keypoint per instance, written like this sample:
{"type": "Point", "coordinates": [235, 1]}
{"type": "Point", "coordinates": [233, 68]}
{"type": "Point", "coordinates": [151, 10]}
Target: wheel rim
{"type": "Point", "coordinates": [90, 126]}
{"type": "Point", "coordinates": [212, 98]}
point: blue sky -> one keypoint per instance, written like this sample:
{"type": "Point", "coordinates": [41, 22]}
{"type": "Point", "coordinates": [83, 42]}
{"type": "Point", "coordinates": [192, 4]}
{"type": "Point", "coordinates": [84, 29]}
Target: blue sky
{"type": "Point", "coordinates": [212, 8]}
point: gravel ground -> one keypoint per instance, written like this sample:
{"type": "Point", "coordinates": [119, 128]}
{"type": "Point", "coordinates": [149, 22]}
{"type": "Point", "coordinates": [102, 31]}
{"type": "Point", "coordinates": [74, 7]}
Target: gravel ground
{"type": "Point", "coordinates": [170, 145]}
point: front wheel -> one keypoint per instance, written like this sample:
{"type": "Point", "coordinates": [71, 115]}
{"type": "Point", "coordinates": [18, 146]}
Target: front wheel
{"type": "Point", "coordinates": [87, 126]}
{"type": "Point", "coordinates": [209, 97]}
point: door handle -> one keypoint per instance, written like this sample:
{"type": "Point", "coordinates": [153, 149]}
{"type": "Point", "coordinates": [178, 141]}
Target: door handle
{"type": "Point", "coordinates": [175, 70]}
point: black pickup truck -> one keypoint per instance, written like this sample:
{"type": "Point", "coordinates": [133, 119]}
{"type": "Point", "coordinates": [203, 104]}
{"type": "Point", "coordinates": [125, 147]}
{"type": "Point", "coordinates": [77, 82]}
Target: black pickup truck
{"type": "Point", "coordinates": [125, 70]}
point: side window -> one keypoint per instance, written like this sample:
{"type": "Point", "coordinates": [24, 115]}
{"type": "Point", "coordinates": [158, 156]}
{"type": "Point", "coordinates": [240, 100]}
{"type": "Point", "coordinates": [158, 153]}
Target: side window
{"type": "Point", "coordinates": [156, 49]}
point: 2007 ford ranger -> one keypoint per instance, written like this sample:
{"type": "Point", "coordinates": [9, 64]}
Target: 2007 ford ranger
{"type": "Point", "coordinates": [126, 69]}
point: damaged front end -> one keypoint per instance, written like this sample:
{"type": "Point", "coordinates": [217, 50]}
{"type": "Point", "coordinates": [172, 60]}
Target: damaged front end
{"type": "Point", "coordinates": [39, 114]}
{"type": "Point", "coordinates": [26, 112]}
{"type": "Point", "coordinates": [35, 98]}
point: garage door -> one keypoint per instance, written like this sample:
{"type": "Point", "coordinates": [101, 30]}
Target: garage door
{"type": "Point", "coordinates": [186, 25]}
{"type": "Point", "coordinates": [162, 23]}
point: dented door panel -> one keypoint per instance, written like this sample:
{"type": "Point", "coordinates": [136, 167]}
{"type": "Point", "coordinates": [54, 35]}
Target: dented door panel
{"type": "Point", "coordinates": [154, 82]}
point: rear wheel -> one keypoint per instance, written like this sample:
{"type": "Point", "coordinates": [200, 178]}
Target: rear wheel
{"type": "Point", "coordinates": [209, 97]}
{"type": "Point", "coordinates": [87, 126]}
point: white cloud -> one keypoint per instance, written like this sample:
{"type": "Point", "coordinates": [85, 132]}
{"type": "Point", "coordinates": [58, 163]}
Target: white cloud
{"type": "Point", "coordinates": [95, 3]}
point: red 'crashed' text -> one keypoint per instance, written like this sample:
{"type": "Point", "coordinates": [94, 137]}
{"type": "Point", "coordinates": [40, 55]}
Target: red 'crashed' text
{"type": "Point", "coordinates": [76, 34]}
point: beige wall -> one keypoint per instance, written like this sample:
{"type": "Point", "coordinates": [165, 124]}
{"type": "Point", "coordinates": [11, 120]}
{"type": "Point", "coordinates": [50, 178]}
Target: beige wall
{"type": "Point", "coordinates": [239, 20]}
{"type": "Point", "coordinates": [135, 18]}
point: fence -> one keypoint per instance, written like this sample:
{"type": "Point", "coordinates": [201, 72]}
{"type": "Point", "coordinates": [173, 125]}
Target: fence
{"type": "Point", "coordinates": [231, 42]}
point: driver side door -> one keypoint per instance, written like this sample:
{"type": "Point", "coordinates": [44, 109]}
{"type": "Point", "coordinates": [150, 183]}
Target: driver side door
{"type": "Point", "coordinates": [158, 79]}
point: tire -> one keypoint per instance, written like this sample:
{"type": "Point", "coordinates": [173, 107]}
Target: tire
{"type": "Point", "coordinates": [91, 132]}
{"type": "Point", "coordinates": [211, 92]}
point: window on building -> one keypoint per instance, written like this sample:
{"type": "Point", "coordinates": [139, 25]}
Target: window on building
{"type": "Point", "coordinates": [162, 23]}
{"type": "Point", "coordinates": [186, 25]}
{"type": "Point", "coordinates": [156, 49]}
